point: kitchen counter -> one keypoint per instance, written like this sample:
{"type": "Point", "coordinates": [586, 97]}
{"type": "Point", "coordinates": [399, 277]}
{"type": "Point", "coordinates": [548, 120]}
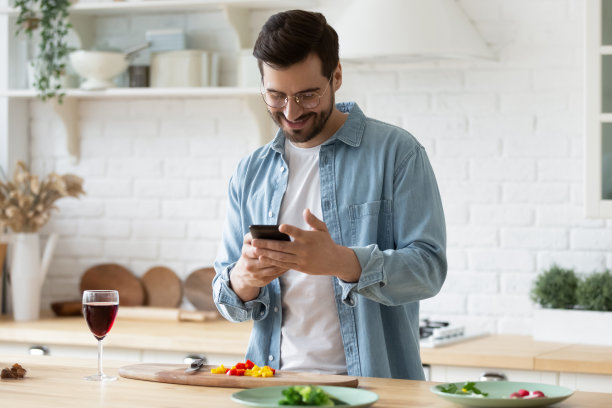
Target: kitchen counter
{"type": "Point", "coordinates": [523, 353]}
{"type": "Point", "coordinates": [223, 337]}
{"type": "Point", "coordinates": [58, 382]}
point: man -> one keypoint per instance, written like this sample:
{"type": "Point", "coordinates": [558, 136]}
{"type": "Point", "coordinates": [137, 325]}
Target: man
{"type": "Point", "coordinates": [360, 202]}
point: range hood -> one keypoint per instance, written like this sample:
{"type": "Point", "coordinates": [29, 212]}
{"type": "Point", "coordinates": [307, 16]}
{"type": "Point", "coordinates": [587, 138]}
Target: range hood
{"type": "Point", "coordinates": [406, 30]}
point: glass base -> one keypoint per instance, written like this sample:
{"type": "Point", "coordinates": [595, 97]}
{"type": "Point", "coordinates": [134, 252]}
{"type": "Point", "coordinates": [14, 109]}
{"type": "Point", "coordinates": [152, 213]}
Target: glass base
{"type": "Point", "coordinates": [98, 377]}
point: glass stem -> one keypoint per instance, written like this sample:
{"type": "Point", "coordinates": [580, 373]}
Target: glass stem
{"type": "Point", "coordinates": [100, 373]}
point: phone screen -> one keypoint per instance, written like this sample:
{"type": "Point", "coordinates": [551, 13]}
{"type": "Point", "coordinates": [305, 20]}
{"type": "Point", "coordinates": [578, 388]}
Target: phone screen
{"type": "Point", "coordinates": [268, 232]}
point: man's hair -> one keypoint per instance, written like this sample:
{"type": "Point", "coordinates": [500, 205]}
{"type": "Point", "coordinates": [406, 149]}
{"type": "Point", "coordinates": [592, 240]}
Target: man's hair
{"type": "Point", "coordinates": [290, 36]}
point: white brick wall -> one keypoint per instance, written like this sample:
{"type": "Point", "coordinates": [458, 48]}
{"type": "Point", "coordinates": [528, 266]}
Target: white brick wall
{"type": "Point", "coordinates": [505, 138]}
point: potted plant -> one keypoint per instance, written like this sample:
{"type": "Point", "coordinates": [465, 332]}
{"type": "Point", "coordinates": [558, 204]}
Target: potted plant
{"type": "Point", "coordinates": [26, 203]}
{"type": "Point", "coordinates": [595, 292]}
{"type": "Point", "coordinates": [49, 20]}
{"type": "Point", "coordinates": [573, 309]}
{"type": "Point", "coordinates": [556, 288]}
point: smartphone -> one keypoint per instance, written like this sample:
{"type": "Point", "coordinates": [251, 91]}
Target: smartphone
{"type": "Point", "coordinates": [268, 232]}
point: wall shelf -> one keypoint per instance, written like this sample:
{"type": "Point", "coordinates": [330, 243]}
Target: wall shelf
{"type": "Point", "coordinates": [68, 110]}
{"type": "Point", "coordinates": [14, 102]}
{"type": "Point", "coordinates": [153, 6]}
{"type": "Point", "coordinates": [114, 93]}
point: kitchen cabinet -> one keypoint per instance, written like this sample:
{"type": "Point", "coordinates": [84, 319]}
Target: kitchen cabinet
{"type": "Point", "coordinates": [598, 101]}
{"type": "Point", "coordinates": [14, 98]}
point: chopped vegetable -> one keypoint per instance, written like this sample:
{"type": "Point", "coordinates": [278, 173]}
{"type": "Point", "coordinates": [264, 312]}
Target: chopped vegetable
{"type": "Point", "coordinates": [247, 368]}
{"type": "Point", "coordinates": [469, 388]}
{"type": "Point", "coordinates": [306, 395]}
{"type": "Point", "coordinates": [524, 394]}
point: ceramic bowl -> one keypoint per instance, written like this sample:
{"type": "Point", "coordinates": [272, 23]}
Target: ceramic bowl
{"type": "Point", "coordinates": [98, 68]}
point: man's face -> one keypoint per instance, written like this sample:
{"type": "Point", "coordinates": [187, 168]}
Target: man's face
{"type": "Point", "coordinates": [300, 125]}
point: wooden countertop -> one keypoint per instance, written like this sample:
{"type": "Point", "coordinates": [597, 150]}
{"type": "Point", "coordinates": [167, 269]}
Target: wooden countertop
{"type": "Point", "coordinates": [523, 353]}
{"type": "Point", "coordinates": [58, 382]}
{"type": "Point", "coordinates": [223, 337]}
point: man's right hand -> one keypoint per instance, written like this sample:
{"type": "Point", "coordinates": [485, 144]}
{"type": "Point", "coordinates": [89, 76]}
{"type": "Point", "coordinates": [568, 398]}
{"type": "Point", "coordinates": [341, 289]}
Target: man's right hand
{"type": "Point", "coordinates": [250, 274]}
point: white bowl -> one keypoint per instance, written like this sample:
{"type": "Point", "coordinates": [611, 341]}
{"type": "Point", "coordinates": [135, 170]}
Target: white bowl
{"type": "Point", "coordinates": [98, 67]}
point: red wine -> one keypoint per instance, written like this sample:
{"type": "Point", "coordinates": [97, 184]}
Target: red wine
{"type": "Point", "coordinates": [100, 317]}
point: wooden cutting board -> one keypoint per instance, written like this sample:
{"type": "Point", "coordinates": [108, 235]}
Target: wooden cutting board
{"type": "Point", "coordinates": [116, 277]}
{"type": "Point", "coordinates": [162, 287]}
{"type": "Point", "coordinates": [198, 289]}
{"type": "Point", "coordinates": [175, 374]}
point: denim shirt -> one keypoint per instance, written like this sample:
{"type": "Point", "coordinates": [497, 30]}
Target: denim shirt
{"type": "Point", "coordinates": [380, 198]}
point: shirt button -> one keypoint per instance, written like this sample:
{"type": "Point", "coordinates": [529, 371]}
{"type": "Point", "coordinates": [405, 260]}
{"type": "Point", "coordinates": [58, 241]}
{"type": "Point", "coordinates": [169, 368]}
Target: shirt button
{"type": "Point", "coordinates": [275, 309]}
{"type": "Point", "coordinates": [271, 357]}
{"type": "Point", "coordinates": [270, 214]}
{"type": "Point", "coordinates": [282, 168]}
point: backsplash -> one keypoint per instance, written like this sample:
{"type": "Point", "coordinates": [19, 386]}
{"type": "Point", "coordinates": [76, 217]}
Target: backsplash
{"type": "Point", "coordinates": [505, 138]}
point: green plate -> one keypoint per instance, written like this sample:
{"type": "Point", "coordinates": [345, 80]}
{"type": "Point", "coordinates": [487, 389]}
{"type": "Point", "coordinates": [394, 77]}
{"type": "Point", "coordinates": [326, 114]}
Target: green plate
{"type": "Point", "coordinates": [499, 394]}
{"type": "Point", "coordinates": [269, 396]}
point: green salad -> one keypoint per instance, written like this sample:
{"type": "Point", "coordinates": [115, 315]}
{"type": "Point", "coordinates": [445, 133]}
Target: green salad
{"type": "Point", "coordinates": [469, 388]}
{"type": "Point", "coordinates": [308, 395]}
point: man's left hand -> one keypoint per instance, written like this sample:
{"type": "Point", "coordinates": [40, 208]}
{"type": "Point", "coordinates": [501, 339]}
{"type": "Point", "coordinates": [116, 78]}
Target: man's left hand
{"type": "Point", "coordinates": [313, 252]}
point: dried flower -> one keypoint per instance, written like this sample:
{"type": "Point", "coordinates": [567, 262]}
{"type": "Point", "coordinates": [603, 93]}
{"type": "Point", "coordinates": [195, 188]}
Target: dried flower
{"type": "Point", "coordinates": [26, 202]}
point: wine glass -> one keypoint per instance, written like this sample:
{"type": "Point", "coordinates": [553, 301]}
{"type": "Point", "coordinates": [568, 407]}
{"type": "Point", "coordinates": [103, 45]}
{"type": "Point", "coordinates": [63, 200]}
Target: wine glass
{"type": "Point", "coordinates": [100, 309]}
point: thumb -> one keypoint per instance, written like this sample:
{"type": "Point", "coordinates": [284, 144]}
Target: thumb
{"type": "Point", "coordinates": [313, 221]}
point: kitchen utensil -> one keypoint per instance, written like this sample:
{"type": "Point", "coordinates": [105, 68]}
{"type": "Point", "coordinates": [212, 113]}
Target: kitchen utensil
{"type": "Point", "coordinates": [499, 394]}
{"type": "Point", "coordinates": [268, 397]}
{"type": "Point", "coordinates": [195, 365]}
{"type": "Point", "coordinates": [183, 68]}
{"type": "Point", "coordinates": [132, 51]}
{"type": "Point", "coordinates": [138, 76]}
{"type": "Point", "coordinates": [98, 67]}
{"type": "Point", "coordinates": [175, 374]}
{"type": "Point", "coordinates": [248, 70]}
{"type": "Point", "coordinates": [198, 289]}
{"type": "Point", "coordinates": [72, 308]}
{"type": "Point", "coordinates": [117, 277]}
{"type": "Point", "coordinates": [162, 287]}
{"type": "Point", "coordinates": [166, 314]}
{"type": "Point", "coordinates": [100, 309]}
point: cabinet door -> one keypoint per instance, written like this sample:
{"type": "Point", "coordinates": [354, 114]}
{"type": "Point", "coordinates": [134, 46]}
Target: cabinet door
{"type": "Point", "coordinates": [456, 374]}
{"type": "Point", "coordinates": [587, 382]}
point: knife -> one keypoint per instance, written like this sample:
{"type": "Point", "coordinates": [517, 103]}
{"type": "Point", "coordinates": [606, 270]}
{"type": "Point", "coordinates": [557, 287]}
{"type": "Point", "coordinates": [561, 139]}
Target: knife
{"type": "Point", "coordinates": [195, 365]}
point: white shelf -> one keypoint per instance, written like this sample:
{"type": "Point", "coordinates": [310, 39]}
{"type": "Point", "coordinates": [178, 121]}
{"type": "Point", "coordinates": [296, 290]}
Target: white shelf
{"type": "Point", "coordinates": [120, 7]}
{"type": "Point", "coordinates": [68, 110]}
{"type": "Point", "coordinates": [115, 93]}
{"type": "Point", "coordinates": [236, 13]}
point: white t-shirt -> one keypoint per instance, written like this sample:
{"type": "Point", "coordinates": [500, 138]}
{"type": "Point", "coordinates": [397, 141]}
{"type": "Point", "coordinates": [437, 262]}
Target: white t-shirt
{"type": "Point", "coordinates": [310, 331]}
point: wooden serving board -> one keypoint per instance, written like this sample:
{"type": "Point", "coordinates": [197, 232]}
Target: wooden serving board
{"type": "Point", "coordinates": [175, 374]}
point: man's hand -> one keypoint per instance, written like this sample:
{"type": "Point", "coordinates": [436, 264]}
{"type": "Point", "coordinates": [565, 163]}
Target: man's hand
{"type": "Point", "coordinates": [250, 274]}
{"type": "Point", "coordinates": [312, 252]}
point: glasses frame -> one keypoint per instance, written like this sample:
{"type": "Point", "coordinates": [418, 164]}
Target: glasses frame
{"type": "Point", "coordinates": [296, 97]}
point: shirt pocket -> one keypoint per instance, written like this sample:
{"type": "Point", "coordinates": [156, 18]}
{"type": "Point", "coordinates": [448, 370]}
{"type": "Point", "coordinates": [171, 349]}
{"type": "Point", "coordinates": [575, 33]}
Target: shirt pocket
{"type": "Point", "coordinates": [371, 223]}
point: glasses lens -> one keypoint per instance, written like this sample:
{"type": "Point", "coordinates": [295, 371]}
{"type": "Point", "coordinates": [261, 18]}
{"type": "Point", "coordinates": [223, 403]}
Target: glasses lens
{"type": "Point", "coordinates": [274, 99]}
{"type": "Point", "coordinates": [308, 101]}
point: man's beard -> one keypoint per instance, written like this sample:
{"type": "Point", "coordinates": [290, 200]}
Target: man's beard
{"type": "Point", "coordinates": [304, 135]}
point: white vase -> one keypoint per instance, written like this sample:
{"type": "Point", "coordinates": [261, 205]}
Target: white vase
{"type": "Point", "coordinates": [28, 273]}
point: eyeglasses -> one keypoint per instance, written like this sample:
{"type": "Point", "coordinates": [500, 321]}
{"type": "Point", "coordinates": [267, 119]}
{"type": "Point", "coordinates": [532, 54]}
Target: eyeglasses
{"type": "Point", "coordinates": [307, 100]}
